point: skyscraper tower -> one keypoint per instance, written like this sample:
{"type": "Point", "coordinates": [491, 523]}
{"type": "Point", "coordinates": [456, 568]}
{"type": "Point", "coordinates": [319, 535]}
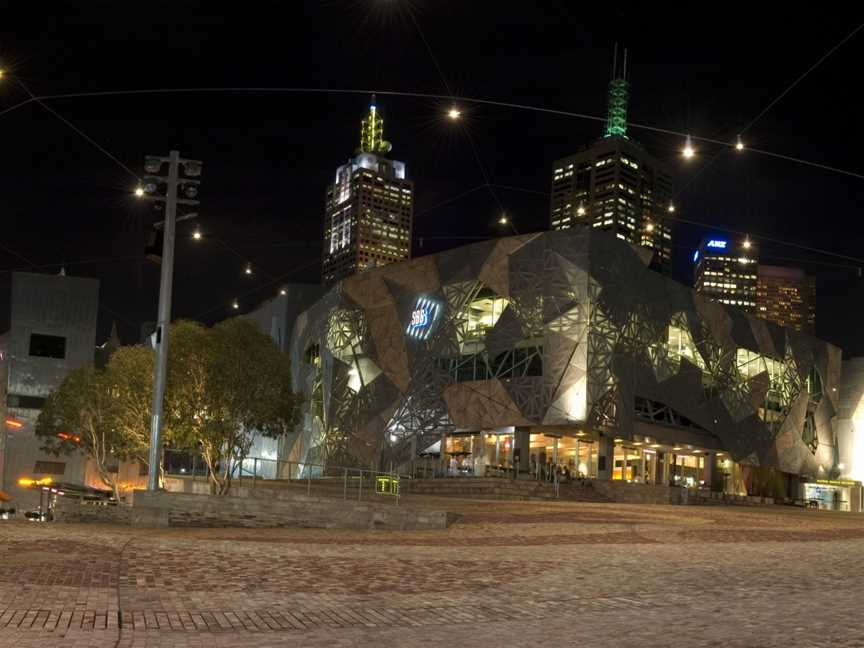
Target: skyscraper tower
{"type": "Point", "coordinates": [369, 207]}
{"type": "Point", "coordinates": [615, 184]}
{"type": "Point", "coordinates": [726, 271]}
{"type": "Point", "coordinates": [787, 296]}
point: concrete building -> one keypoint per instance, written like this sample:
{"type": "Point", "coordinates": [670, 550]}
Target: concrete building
{"type": "Point", "coordinates": [52, 332]}
{"type": "Point", "coordinates": [369, 208]}
{"type": "Point", "coordinates": [786, 296]}
{"type": "Point", "coordinates": [726, 271]}
{"type": "Point", "coordinates": [564, 348]}
{"type": "Point", "coordinates": [277, 317]}
{"type": "Point", "coordinates": [616, 185]}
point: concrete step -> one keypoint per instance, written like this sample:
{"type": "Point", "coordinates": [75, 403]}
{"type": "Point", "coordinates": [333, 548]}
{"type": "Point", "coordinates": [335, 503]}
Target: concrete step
{"type": "Point", "coordinates": [575, 493]}
{"type": "Point", "coordinates": [482, 488]}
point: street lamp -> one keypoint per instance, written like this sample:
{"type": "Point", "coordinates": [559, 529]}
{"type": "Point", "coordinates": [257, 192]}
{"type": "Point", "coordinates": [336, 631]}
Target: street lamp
{"type": "Point", "coordinates": [454, 113]}
{"type": "Point", "coordinates": [688, 151]}
{"type": "Point", "coordinates": [739, 145]}
{"type": "Point", "coordinates": [153, 164]}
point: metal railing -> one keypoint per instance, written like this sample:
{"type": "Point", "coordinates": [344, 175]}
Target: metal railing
{"type": "Point", "coordinates": [327, 480]}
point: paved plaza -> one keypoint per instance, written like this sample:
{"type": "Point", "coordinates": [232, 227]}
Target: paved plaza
{"type": "Point", "coordinates": [507, 574]}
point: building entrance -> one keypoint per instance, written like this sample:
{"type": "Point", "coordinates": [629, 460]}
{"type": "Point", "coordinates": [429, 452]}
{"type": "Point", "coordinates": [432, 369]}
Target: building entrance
{"type": "Point", "coordinates": [479, 454]}
{"type": "Point", "coordinates": [569, 456]}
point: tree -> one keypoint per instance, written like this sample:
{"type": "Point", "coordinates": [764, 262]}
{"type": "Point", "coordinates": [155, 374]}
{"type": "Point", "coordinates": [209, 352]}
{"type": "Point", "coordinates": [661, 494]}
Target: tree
{"type": "Point", "coordinates": [78, 417]}
{"type": "Point", "coordinates": [226, 385]}
{"type": "Point", "coordinates": [130, 375]}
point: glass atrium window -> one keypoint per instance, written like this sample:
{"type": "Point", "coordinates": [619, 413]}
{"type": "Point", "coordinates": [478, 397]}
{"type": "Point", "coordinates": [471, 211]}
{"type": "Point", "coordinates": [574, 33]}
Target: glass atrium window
{"type": "Point", "coordinates": [483, 314]}
{"type": "Point", "coordinates": [680, 345]}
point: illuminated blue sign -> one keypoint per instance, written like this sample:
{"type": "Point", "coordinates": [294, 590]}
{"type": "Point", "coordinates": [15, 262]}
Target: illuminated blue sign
{"type": "Point", "coordinates": [717, 243]}
{"type": "Point", "coordinates": [423, 317]}
{"type": "Point", "coordinates": [695, 256]}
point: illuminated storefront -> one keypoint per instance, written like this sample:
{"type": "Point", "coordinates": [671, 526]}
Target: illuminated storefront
{"type": "Point", "coordinates": [833, 494]}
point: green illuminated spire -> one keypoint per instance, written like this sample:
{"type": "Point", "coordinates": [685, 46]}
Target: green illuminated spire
{"type": "Point", "coordinates": [619, 96]}
{"type": "Point", "coordinates": [372, 132]}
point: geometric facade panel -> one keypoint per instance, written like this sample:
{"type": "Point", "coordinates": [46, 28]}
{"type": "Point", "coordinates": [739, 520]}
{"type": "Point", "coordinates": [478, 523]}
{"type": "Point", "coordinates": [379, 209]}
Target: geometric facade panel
{"type": "Point", "coordinates": [565, 328]}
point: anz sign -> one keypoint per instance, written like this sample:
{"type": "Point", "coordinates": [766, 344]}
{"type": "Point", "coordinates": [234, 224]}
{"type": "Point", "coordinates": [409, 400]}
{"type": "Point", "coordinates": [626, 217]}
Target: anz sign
{"type": "Point", "coordinates": [423, 318]}
{"type": "Point", "coordinates": [717, 244]}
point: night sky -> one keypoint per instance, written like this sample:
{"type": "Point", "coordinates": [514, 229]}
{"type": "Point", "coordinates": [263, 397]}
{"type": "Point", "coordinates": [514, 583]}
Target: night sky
{"type": "Point", "coordinates": [704, 69]}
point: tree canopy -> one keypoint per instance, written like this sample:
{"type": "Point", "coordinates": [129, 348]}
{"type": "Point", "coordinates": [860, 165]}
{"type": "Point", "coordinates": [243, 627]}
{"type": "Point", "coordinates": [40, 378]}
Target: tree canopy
{"type": "Point", "coordinates": [225, 385]}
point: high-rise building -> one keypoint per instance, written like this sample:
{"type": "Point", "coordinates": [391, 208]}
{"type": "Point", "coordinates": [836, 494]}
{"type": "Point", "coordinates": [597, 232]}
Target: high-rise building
{"type": "Point", "coordinates": [615, 184]}
{"type": "Point", "coordinates": [787, 296]}
{"type": "Point", "coordinates": [369, 207]}
{"type": "Point", "coordinates": [726, 271]}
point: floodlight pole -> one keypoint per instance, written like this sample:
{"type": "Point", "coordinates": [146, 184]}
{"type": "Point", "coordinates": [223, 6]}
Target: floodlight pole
{"type": "Point", "coordinates": [166, 282]}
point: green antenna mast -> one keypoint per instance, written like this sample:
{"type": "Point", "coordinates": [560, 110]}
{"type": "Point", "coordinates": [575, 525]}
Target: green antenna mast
{"type": "Point", "coordinates": [372, 132]}
{"type": "Point", "coordinates": [619, 98]}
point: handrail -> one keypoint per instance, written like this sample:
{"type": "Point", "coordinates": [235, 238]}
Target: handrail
{"type": "Point", "coordinates": [264, 469]}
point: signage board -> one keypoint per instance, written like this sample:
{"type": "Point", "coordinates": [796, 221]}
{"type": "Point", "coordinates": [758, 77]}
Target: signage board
{"type": "Point", "coordinates": [386, 485]}
{"type": "Point", "coordinates": [423, 317]}
{"type": "Point", "coordinates": [717, 244]}
{"type": "Point", "coordinates": [838, 482]}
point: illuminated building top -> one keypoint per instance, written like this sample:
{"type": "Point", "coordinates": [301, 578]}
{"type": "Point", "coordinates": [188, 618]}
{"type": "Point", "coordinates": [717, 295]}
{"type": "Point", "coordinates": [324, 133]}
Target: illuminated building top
{"type": "Point", "coordinates": [619, 95]}
{"type": "Point", "coordinates": [369, 207]}
{"type": "Point", "coordinates": [372, 132]}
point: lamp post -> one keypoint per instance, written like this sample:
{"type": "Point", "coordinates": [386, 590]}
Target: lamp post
{"type": "Point", "coordinates": [172, 182]}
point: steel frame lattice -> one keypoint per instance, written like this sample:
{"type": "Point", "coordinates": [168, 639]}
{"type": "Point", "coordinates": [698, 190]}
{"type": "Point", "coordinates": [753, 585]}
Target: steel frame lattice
{"type": "Point", "coordinates": [584, 332]}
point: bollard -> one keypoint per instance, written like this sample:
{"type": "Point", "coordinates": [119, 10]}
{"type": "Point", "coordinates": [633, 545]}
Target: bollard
{"type": "Point", "coordinates": [345, 484]}
{"type": "Point", "coordinates": [308, 481]}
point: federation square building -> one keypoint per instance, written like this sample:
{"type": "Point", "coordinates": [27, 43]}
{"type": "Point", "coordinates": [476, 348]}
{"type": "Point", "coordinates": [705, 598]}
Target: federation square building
{"type": "Point", "coordinates": [563, 346]}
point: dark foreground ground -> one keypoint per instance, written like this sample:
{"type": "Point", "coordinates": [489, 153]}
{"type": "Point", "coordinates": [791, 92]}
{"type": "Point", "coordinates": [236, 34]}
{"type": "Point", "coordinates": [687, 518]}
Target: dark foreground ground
{"type": "Point", "coordinates": [508, 574]}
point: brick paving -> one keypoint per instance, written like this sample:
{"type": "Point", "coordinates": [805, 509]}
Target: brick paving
{"type": "Point", "coordinates": [508, 573]}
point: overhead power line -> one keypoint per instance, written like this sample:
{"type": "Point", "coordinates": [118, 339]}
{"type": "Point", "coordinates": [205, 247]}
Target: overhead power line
{"type": "Point", "coordinates": [753, 121]}
{"type": "Point", "coordinates": [426, 95]}
{"type": "Point", "coordinates": [471, 142]}
{"type": "Point", "coordinates": [76, 129]}
{"type": "Point", "coordinates": [801, 78]}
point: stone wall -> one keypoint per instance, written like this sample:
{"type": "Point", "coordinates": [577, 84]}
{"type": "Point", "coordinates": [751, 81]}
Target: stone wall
{"type": "Point", "coordinates": [69, 509]}
{"type": "Point", "coordinates": [190, 510]}
{"type": "Point", "coordinates": [619, 491]}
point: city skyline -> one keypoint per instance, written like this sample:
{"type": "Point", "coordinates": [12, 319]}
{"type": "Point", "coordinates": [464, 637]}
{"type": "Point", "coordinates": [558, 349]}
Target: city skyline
{"type": "Point", "coordinates": [271, 217]}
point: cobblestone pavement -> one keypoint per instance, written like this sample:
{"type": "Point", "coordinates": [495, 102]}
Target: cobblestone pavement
{"type": "Point", "coordinates": [507, 574]}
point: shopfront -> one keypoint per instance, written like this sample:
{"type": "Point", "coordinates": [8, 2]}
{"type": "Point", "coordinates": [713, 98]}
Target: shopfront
{"type": "Point", "coordinates": [490, 452]}
{"type": "Point", "coordinates": [574, 453]}
{"type": "Point", "coordinates": [478, 454]}
{"type": "Point", "coordinates": [833, 495]}
{"type": "Point", "coordinates": [652, 463]}
{"type": "Point", "coordinates": [571, 455]}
